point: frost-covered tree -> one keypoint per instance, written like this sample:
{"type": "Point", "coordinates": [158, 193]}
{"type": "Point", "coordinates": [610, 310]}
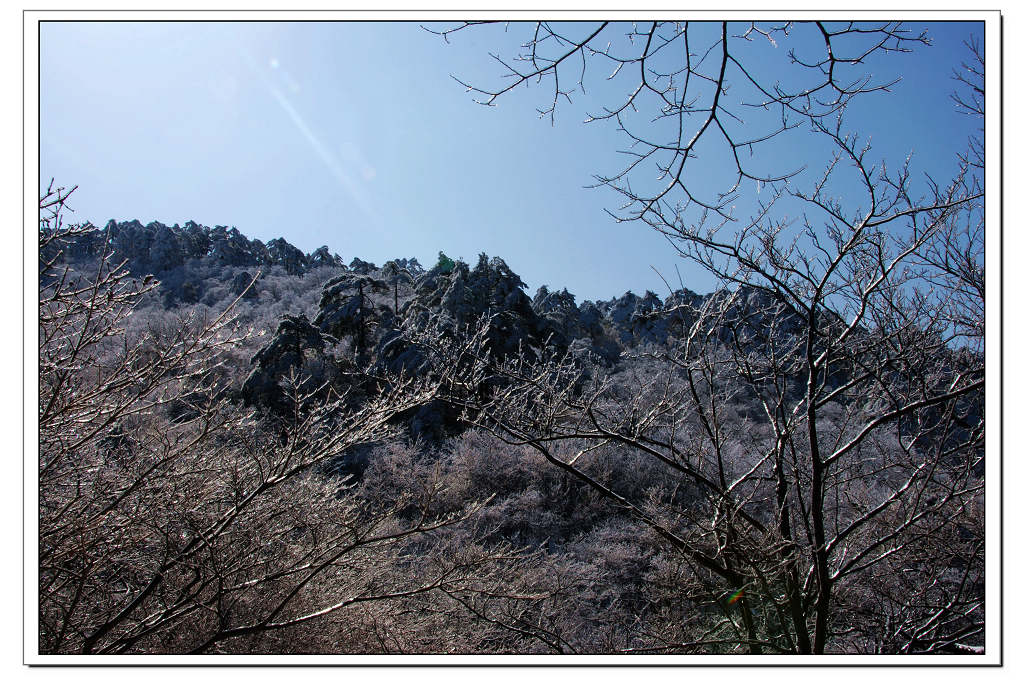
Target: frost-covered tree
{"type": "Point", "coordinates": [174, 521]}
{"type": "Point", "coordinates": [824, 409]}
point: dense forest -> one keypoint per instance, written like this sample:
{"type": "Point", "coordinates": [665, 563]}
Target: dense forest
{"type": "Point", "coordinates": [245, 448]}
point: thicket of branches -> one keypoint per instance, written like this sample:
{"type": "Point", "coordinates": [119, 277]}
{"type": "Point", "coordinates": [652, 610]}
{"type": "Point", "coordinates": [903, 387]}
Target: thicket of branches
{"type": "Point", "coordinates": [173, 520]}
{"type": "Point", "coordinates": [794, 464]}
{"type": "Point", "coordinates": [855, 337]}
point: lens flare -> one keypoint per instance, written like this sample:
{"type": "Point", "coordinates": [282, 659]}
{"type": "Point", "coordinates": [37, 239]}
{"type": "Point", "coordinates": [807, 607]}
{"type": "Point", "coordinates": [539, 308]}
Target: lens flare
{"type": "Point", "coordinates": [735, 596]}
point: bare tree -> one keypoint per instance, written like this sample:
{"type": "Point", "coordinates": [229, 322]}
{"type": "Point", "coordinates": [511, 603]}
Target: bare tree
{"type": "Point", "coordinates": [172, 520]}
{"type": "Point", "coordinates": [823, 411]}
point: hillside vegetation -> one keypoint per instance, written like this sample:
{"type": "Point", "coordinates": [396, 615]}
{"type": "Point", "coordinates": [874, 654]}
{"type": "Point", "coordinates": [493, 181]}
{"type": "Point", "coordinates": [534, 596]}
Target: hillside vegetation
{"type": "Point", "coordinates": [249, 449]}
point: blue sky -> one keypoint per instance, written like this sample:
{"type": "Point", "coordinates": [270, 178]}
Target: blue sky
{"type": "Point", "coordinates": [354, 135]}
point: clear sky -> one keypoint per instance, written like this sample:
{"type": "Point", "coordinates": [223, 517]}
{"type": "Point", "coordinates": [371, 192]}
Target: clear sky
{"type": "Point", "coordinates": [354, 135]}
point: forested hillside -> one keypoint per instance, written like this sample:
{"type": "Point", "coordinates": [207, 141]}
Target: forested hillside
{"type": "Point", "coordinates": [246, 448]}
{"type": "Point", "coordinates": [249, 449]}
